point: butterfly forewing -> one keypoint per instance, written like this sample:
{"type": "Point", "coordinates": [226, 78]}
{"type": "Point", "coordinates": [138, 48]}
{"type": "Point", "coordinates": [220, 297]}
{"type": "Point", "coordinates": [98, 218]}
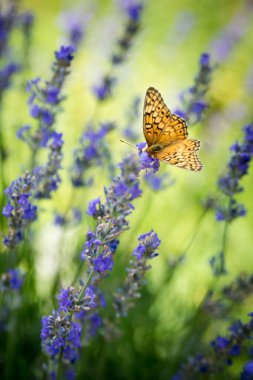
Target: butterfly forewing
{"type": "Point", "coordinates": [155, 116]}
{"type": "Point", "coordinates": [166, 134]}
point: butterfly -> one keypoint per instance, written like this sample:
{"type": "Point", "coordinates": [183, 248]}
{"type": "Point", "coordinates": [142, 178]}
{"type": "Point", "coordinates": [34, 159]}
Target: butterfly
{"type": "Point", "coordinates": [166, 134]}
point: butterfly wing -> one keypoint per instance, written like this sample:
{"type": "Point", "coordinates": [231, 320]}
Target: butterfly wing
{"type": "Point", "coordinates": [159, 125]}
{"type": "Point", "coordinates": [182, 154]}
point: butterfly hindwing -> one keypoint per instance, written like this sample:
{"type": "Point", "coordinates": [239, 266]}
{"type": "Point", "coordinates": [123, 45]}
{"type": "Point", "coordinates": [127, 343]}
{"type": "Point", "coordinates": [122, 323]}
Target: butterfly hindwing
{"type": "Point", "coordinates": [182, 154]}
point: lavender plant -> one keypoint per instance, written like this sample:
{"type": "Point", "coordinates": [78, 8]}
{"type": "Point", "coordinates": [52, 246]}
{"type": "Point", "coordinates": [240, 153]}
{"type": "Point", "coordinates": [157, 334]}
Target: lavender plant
{"type": "Point", "coordinates": [44, 102]}
{"type": "Point", "coordinates": [227, 208]}
{"type": "Point", "coordinates": [225, 351]}
{"type": "Point", "coordinates": [45, 179]}
{"type": "Point", "coordinates": [11, 63]}
{"type": "Point", "coordinates": [133, 10]}
{"type": "Point", "coordinates": [87, 313]}
{"type": "Point", "coordinates": [93, 151]}
{"type": "Point", "coordinates": [60, 334]}
{"type": "Point", "coordinates": [193, 100]}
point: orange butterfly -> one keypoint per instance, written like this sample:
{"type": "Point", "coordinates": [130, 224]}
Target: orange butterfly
{"type": "Point", "coordinates": [166, 134]}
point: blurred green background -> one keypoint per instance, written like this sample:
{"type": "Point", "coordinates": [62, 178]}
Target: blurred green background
{"type": "Point", "coordinates": [165, 326]}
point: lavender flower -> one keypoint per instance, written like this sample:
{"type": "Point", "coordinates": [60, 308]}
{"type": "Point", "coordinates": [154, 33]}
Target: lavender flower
{"type": "Point", "coordinates": [74, 218]}
{"type": "Point", "coordinates": [93, 151]}
{"type": "Point", "coordinates": [225, 350]}
{"type": "Point", "coordinates": [103, 90]}
{"type": "Point", "coordinates": [6, 74]}
{"type": "Point", "coordinates": [94, 208]}
{"type": "Point", "coordinates": [157, 182]}
{"type": "Point", "coordinates": [59, 220]}
{"type": "Point", "coordinates": [111, 215]}
{"type": "Point", "coordinates": [193, 99]}
{"type": "Point", "coordinates": [247, 373]}
{"type": "Point", "coordinates": [11, 280]}
{"type": "Point", "coordinates": [60, 337]}
{"type": "Point", "coordinates": [98, 252]}
{"type": "Point", "coordinates": [219, 305]}
{"type": "Point", "coordinates": [26, 20]}
{"type": "Point", "coordinates": [74, 23]}
{"type": "Point", "coordinates": [124, 297]}
{"type": "Point", "coordinates": [8, 17]}
{"type": "Point", "coordinates": [148, 244]}
{"type": "Point", "coordinates": [229, 183]}
{"type": "Point", "coordinates": [70, 301]}
{"type": "Point", "coordinates": [45, 99]}
{"type": "Point", "coordinates": [19, 211]}
{"type": "Point", "coordinates": [47, 176]}
{"type": "Point", "coordinates": [228, 208]}
{"type": "Point", "coordinates": [231, 35]}
{"type": "Point", "coordinates": [147, 161]}
{"type": "Point", "coordinates": [133, 10]}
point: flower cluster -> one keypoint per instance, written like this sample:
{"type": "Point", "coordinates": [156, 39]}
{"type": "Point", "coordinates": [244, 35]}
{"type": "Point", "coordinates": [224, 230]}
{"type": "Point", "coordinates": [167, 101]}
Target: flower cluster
{"type": "Point", "coordinates": [6, 74]}
{"type": "Point", "coordinates": [219, 305]}
{"type": "Point", "coordinates": [229, 183]}
{"type": "Point", "coordinates": [125, 296]}
{"type": "Point", "coordinates": [233, 32]}
{"type": "Point", "coordinates": [133, 11]}
{"type": "Point", "coordinates": [158, 182]}
{"type": "Point", "coordinates": [47, 176]}
{"type": "Point", "coordinates": [225, 350]}
{"type": "Point", "coordinates": [74, 22]}
{"type": "Point", "coordinates": [11, 280]}
{"type": "Point", "coordinates": [93, 151]}
{"type": "Point", "coordinates": [45, 100]}
{"type": "Point", "coordinates": [147, 161]}
{"type": "Point", "coordinates": [73, 301]}
{"type": "Point", "coordinates": [111, 216]}
{"type": "Point", "coordinates": [19, 210]}
{"type": "Point", "coordinates": [60, 335]}
{"type": "Point", "coordinates": [26, 21]}
{"type": "Point", "coordinates": [153, 180]}
{"type": "Point", "coordinates": [10, 19]}
{"type": "Point", "coordinates": [247, 373]}
{"type": "Point", "coordinates": [193, 99]}
{"type": "Point", "coordinates": [7, 23]}
{"type": "Point", "coordinates": [75, 217]}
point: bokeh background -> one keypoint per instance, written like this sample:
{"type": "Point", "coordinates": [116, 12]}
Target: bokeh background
{"type": "Point", "coordinates": [166, 324]}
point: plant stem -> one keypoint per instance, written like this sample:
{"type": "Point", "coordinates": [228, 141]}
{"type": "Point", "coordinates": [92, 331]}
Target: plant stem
{"type": "Point", "coordinates": [59, 371]}
{"type": "Point", "coordinates": [87, 284]}
{"type": "Point", "coordinates": [196, 229]}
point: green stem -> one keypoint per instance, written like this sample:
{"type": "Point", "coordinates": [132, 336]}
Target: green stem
{"type": "Point", "coordinates": [87, 284]}
{"type": "Point", "coordinates": [196, 229]}
{"type": "Point", "coordinates": [59, 371]}
{"type": "Point", "coordinates": [224, 245]}
{"type": "Point", "coordinates": [140, 220]}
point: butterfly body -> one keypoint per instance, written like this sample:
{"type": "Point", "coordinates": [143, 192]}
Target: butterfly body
{"type": "Point", "coordinates": [166, 134]}
{"type": "Point", "coordinates": [154, 148]}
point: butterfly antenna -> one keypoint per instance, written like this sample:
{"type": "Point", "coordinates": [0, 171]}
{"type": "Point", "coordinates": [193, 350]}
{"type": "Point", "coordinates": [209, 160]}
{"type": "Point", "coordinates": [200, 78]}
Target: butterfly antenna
{"type": "Point", "coordinates": [132, 146]}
